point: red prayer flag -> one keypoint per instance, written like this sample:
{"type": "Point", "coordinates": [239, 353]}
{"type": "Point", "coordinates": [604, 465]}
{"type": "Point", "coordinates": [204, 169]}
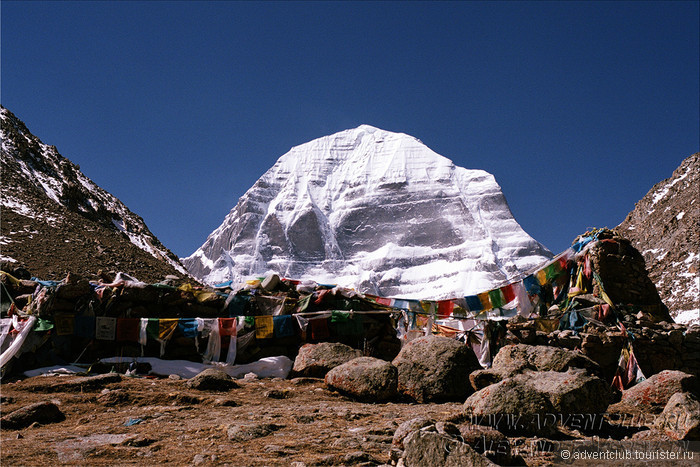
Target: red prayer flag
{"type": "Point", "coordinates": [128, 329]}
{"type": "Point", "coordinates": [445, 308]}
{"type": "Point", "coordinates": [227, 326]}
{"type": "Point", "coordinates": [508, 293]}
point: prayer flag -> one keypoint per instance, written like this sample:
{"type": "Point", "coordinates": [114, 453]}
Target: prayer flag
{"type": "Point", "coordinates": [283, 326]}
{"type": "Point", "coordinates": [428, 306]}
{"type": "Point", "coordinates": [166, 328]}
{"type": "Point", "coordinates": [64, 324]}
{"type": "Point", "coordinates": [508, 292]}
{"type": "Point", "coordinates": [188, 327]}
{"type": "Point", "coordinates": [532, 285]}
{"type": "Point", "coordinates": [496, 298]}
{"type": "Point", "coordinates": [264, 327]}
{"type": "Point", "coordinates": [105, 328]}
{"type": "Point", "coordinates": [542, 276]}
{"type": "Point", "coordinates": [227, 326]}
{"type": "Point", "coordinates": [445, 308]}
{"type": "Point", "coordinates": [485, 301]}
{"type": "Point", "coordinates": [319, 328]}
{"type": "Point", "coordinates": [473, 303]}
{"type": "Point", "coordinates": [128, 329]}
{"type": "Point", "coordinates": [85, 326]}
{"type": "Point", "coordinates": [347, 323]}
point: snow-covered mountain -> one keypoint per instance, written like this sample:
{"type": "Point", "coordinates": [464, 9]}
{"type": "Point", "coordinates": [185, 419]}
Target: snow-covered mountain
{"type": "Point", "coordinates": [374, 210]}
{"type": "Point", "coordinates": [56, 220]}
{"type": "Point", "coordinates": [665, 227]}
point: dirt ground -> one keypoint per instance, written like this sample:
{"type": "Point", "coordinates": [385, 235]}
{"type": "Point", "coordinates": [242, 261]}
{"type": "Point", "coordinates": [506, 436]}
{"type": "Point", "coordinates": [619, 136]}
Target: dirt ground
{"type": "Point", "coordinates": [150, 421]}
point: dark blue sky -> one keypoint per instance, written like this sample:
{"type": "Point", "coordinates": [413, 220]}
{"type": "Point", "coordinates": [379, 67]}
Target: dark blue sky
{"type": "Point", "coordinates": [578, 109]}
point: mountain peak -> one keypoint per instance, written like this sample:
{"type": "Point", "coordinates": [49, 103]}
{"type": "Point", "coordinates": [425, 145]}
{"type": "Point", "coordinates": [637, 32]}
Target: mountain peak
{"type": "Point", "coordinates": [375, 210]}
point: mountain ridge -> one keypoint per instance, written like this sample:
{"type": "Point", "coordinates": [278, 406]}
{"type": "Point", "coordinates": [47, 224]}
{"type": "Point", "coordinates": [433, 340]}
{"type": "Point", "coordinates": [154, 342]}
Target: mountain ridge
{"type": "Point", "coordinates": [55, 220]}
{"type": "Point", "coordinates": [664, 227]}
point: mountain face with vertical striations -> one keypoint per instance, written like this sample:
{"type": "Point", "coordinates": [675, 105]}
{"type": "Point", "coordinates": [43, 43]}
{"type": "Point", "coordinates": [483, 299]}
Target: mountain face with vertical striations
{"type": "Point", "coordinates": [55, 220]}
{"type": "Point", "coordinates": [665, 227]}
{"type": "Point", "coordinates": [374, 210]}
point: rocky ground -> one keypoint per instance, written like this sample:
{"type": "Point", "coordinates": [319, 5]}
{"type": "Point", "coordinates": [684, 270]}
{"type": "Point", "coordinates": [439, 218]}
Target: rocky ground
{"type": "Point", "coordinates": [119, 420]}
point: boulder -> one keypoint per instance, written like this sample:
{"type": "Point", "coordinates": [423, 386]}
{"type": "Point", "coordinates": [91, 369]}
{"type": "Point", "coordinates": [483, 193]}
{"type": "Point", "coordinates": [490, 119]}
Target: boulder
{"type": "Point", "coordinates": [511, 406]}
{"type": "Point", "coordinates": [535, 401]}
{"type": "Point", "coordinates": [513, 359]}
{"type": "Point", "coordinates": [653, 394]}
{"type": "Point", "coordinates": [680, 419]}
{"type": "Point", "coordinates": [40, 412]}
{"type": "Point", "coordinates": [424, 447]}
{"type": "Point", "coordinates": [365, 378]}
{"type": "Point", "coordinates": [212, 379]}
{"type": "Point", "coordinates": [404, 430]}
{"type": "Point", "coordinates": [435, 368]}
{"type": "Point", "coordinates": [571, 392]}
{"type": "Point", "coordinates": [491, 443]}
{"type": "Point", "coordinates": [315, 360]}
{"type": "Point", "coordinates": [517, 358]}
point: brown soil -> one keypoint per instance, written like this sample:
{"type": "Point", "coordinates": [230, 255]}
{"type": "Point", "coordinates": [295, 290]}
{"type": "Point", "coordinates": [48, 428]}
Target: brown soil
{"type": "Point", "coordinates": [298, 420]}
{"type": "Point", "coordinates": [182, 426]}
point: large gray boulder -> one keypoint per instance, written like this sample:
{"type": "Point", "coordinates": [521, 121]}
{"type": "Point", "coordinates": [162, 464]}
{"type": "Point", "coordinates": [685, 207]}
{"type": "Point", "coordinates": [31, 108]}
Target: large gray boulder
{"type": "Point", "coordinates": [365, 378]}
{"type": "Point", "coordinates": [435, 368]}
{"type": "Point", "coordinates": [315, 360]}
{"type": "Point", "coordinates": [535, 402]}
{"type": "Point", "coordinates": [653, 394]}
{"type": "Point", "coordinates": [515, 359]}
{"type": "Point", "coordinates": [680, 419]}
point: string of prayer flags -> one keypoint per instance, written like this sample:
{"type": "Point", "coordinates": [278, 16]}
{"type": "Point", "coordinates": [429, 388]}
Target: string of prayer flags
{"type": "Point", "coordinates": [264, 327]}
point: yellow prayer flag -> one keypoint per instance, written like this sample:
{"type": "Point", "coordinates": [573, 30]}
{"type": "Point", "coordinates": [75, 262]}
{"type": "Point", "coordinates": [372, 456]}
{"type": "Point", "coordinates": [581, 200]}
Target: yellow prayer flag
{"type": "Point", "coordinates": [485, 300]}
{"type": "Point", "coordinates": [166, 328]}
{"type": "Point", "coordinates": [542, 276]}
{"type": "Point", "coordinates": [264, 327]}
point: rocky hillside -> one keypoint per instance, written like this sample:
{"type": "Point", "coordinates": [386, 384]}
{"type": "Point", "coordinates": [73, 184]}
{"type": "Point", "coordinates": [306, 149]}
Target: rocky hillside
{"type": "Point", "coordinates": [664, 226]}
{"type": "Point", "coordinates": [55, 220]}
